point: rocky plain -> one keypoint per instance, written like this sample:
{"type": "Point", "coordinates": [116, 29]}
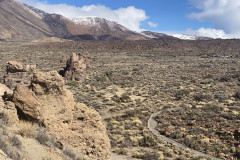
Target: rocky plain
{"type": "Point", "coordinates": [93, 100]}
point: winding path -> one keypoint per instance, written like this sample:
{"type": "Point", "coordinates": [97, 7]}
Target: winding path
{"type": "Point", "coordinates": [152, 124]}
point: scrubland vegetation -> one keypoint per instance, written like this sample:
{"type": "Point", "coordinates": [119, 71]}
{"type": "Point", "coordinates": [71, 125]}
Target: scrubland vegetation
{"type": "Point", "coordinates": [196, 90]}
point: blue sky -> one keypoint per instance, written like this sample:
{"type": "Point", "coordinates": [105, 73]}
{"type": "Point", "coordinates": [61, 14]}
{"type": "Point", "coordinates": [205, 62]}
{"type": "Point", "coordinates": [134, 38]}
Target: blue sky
{"type": "Point", "coordinates": [170, 15]}
{"type": "Point", "coordinates": [214, 18]}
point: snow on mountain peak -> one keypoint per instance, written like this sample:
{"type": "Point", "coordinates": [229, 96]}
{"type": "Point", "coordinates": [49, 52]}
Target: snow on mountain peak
{"type": "Point", "coordinates": [185, 37]}
{"type": "Point", "coordinates": [94, 22]}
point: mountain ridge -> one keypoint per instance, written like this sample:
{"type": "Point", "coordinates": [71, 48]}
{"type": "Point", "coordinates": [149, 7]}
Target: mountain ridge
{"type": "Point", "coordinates": [23, 22]}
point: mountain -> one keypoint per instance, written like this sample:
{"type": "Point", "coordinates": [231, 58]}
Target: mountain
{"type": "Point", "coordinates": [159, 36]}
{"type": "Point", "coordinates": [190, 37]}
{"type": "Point", "coordinates": [18, 22]}
{"type": "Point", "coordinates": [98, 28]}
{"type": "Point", "coordinates": [23, 22]}
{"type": "Point", "coordinates": [162, 36]}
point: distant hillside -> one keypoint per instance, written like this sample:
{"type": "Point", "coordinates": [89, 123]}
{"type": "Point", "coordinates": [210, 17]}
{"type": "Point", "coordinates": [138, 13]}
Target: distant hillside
{"type": "Point", "coordinates": [23, 22]}
{"type": "Point", "coordinates": [190, 37]}
{"type": "Point", "coordinates": [159, 36]}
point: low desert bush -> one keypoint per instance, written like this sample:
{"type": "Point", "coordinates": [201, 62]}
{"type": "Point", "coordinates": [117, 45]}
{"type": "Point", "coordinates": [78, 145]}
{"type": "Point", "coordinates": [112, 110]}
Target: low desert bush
{"type": "Point", "coordinates": [237, 95]}
{"type": "Point", "coordinates": [14, 141]}
{"type": "Point", "coordinates": [121, 151]}
{"type": "Point", "coordinates": [27, 129]}
{"type": "Point", "coordinates": [73, 83]}
{"type": "Point", "coordinates": [11, 147]}
{"type": "Point", "coordinates": [70, 153]}
{"type": "Point", "coordinates": [42, 136]}
{"type": "Point", "coordinates": [199, 97]}
{"type": "Point", "coordinates": [181, 93]}
{"type": "Point", "coordinates": [138, 154]}
{"type": "Point", "coordinates": [225, 78]}
{"type": "Point", "coordinates": [148, 140]}
{"type": "Point", "coordinates": [151, 155]}
{"type": "Point", "coordinates": [123, 98]}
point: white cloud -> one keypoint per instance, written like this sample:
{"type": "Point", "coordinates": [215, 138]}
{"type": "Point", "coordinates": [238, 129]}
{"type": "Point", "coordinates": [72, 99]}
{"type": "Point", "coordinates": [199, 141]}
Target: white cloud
{"type": "Point", "coordinates": [223, 14]}
{"type": "Point", "coordinates": [213, 33]}
{"type": "Point", "coordinates": [129, 17]}
{"type": "Point", "coordinates": [151, 24]}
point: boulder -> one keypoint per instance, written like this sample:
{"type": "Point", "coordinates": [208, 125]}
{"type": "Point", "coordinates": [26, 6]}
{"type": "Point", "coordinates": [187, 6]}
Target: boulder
{"type": "Point", "coordinates": [74, 67]}
{"type": "Point", "coordinates": [4, 90]}
{"type": "Point", "coordinates": [3, 156]}
{"type": "Point", "coordinates": [8, 112]}
{"type": "Point", "coordinates": [18, 74]}
{"type": "Point", "coordinates": [26, 100]}
{"type": "Point", "coordinates": [42, 97]}
{"type": "Point", "coordinates": [47, 101]}
{"type": "Point", "coordinates": [13, 67]}
{"type": "Point", "coordinates": [46, 83]}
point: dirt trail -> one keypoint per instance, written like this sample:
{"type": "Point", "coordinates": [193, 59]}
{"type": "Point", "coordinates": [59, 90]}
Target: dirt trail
{"type": "Point", "coordinates": [152, 124]}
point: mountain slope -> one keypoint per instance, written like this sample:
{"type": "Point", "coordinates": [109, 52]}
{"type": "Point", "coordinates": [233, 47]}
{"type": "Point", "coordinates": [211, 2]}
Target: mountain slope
{"type": "Point", "coordinates": [159, 36]}
{"type": "Point", "coordinates": [23, 22]}
{"type": "Point", "coordinates": [20, 23]}
{"type": "Point", "coordinates": [190, 37]}
{"type": "Point", "coordinates": [99, 29]}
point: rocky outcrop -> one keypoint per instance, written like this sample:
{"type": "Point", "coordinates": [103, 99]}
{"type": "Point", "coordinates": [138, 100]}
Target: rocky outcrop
{"type": "Point", "coordinates": [27, 102]}
{"type": "Point", "coordinates": [4, 90]}
{"type": "Point", "coordinates": [48, 102]}
{"type": "Point", "coordinates": [8, 112]}
{"type": "Point", "coordinates": [3, 156]}
{"type": "Point", "coordinates": [18, 74]}
{"type": "Point", "coordinates": [74, 67]}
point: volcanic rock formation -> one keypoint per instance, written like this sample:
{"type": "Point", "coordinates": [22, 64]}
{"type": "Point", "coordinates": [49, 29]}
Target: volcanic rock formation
{"type": "Point", "coordinates": [46, 101]}
{"type": "Point", "coordinates": [74, 67]}
{"type": "Point", "coordinates": [18, 74]}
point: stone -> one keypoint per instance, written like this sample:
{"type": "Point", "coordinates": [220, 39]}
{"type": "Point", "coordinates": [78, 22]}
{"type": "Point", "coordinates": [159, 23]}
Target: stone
{"type": "Point", "coordinates": [4, 90]}
{"type": "Point", "coordinates": [13, 67]}
{"type": "Point", "coordinates": [3, 156]}
{"type": "Point", "coordinates": [48, 102]}
{"type": "Point", "coordinates": [26, 100]}
{"type": "Point", "coordinates": [74, 67]}
{"type": "Point", "coordinates": [16, 74]}
{"type": "Point", "coordinates": [50, 82]}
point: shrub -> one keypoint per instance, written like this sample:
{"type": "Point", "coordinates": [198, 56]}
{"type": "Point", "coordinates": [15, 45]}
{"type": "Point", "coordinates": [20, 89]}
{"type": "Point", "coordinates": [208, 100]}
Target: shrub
{"type": "Point", "coordinates": [70, 153]}
{"type": "Point", "coordinates": [11, 151]}
{"type": "Point", "coordinates": [210, 76]}
{"type": "Point", "coordinates": [237, 155]}
{"type": "Point", "coordinates": [181, 93]}
{"type": "Point", "coordinates": [225, 79]}
{"type": "Point", "coordinates": [42, 136]}
{"type": "Point", "coordinates": [148, 140]}
{"type": "Point", "coordinates": [152, 156]}
{"type": "Point", "coordinates": [199, 97]}
{"type": "Point", "coordinates": [138, 154]}
{"type": "Point", "coordinates": [121, 151]}
{"type": "Point", "coordinates": [237, 95]}
{"type": "Point", "coordinates": [15, 142]}
{"type": "Point", "coordinates": [27, 129]}
{"type": "Point", "coordinates": [73, 83]}
{"type": "Point", "coordinates": [124, 98]}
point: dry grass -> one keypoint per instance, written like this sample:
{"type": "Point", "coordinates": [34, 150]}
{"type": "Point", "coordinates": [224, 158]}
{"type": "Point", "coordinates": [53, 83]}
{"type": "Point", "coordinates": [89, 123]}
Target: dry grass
{"type": "Point", "coordinates": [155, 77]}
{"type": "Point", "coordinates": [27, 129]}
